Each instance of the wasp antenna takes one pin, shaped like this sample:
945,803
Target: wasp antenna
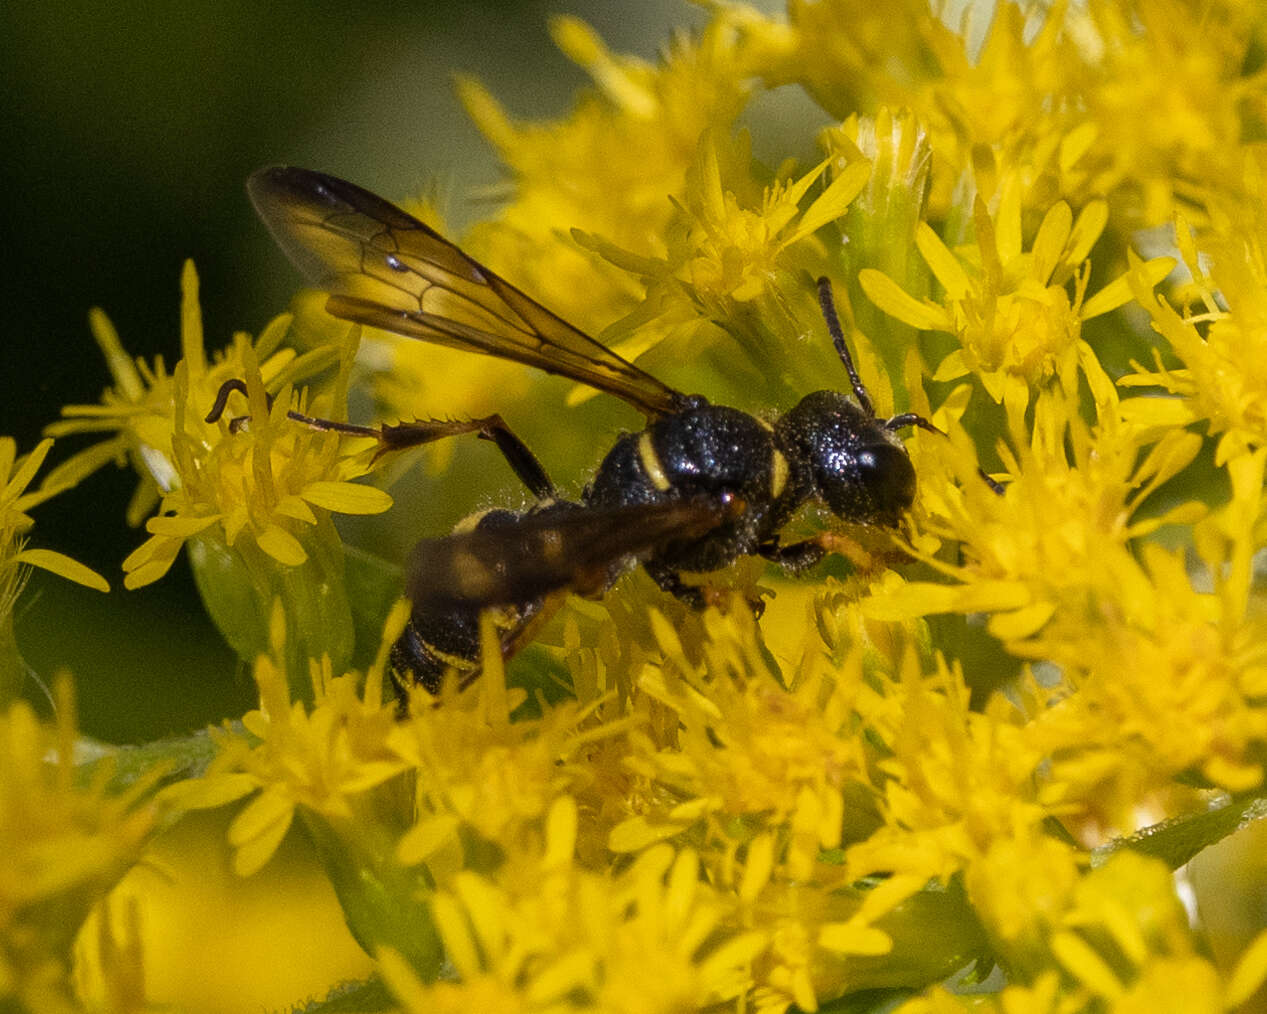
911,419
994,484
828,304
222,398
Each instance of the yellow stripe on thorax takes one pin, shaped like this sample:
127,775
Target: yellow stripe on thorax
651,463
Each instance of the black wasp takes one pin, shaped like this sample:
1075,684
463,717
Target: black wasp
699,487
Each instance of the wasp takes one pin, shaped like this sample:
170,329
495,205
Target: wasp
696,489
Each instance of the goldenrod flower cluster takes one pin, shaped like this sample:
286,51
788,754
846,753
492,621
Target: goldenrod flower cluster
954,768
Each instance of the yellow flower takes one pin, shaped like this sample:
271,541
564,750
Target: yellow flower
609,168
325,758
1222,341
1125,940
481,776
1174,684
67,839
749,753
1139,102
261,483
738,253
1170,99
253,502
953,783
1017,324
16,499
16,475
849,54
1046,557
559,938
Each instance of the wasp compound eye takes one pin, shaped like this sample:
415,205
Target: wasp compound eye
888,477
871,484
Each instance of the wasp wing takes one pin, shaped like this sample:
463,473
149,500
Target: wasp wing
583,549
384,268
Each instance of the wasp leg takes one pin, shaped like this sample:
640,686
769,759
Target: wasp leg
670,580
794,556
797,556
492,427
695,596
403,436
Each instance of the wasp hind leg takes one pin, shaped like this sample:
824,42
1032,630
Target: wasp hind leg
406,435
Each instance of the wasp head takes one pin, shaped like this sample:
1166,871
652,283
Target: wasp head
848,459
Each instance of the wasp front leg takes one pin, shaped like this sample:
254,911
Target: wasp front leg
694,595
794,556
798,556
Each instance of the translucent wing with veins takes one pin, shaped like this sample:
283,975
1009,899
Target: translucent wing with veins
384,268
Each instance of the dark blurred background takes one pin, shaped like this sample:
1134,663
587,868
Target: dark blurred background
128,130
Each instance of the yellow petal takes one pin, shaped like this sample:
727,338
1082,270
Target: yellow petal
1019,623
1007,225
251,856
150,561
263,812
1086,230
347,497
293,507
281,546
852,938
63,566
734,953
456,932
26,470
570,973
1049,244
180,526
210,792
896,302
637,833
1118,292
1085,965
757,870
832,202
425,838
1249,973
952,367
193,350
1075,144
944,264
1161,412
923,599
121,365
561,824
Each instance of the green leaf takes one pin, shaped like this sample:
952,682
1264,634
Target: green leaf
1178,840
179,759
867,1001
383,902
367,997
373,585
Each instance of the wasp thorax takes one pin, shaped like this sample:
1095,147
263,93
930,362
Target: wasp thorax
857,467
